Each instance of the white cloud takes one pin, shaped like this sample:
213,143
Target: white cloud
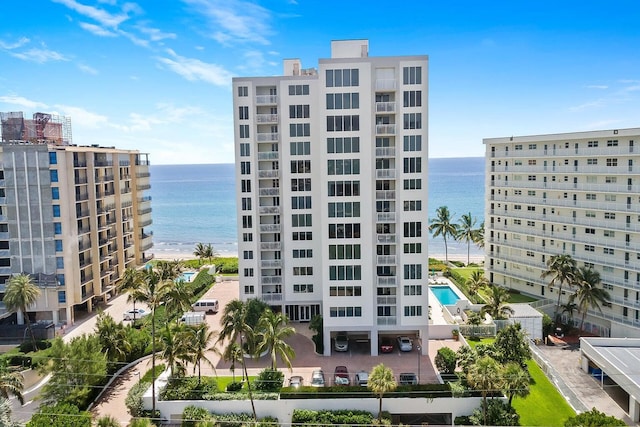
106,19
154,33
97,30
193,69
39,55
235,21
597,87
9,46
87,69
592,104
81,117
23,102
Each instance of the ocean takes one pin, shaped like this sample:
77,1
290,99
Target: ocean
196,203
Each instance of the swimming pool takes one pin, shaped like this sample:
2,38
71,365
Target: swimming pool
187,276
445,294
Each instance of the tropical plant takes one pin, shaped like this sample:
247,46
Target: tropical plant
233,353
593,418
20,294
446,360
141,422
484,375
497,413
203,252
129,282
441,225
478,237
11,383
60,415
178,299
467,357
113,338
474,319
202,342
5,414
107,421
476,281
381,381
273,329
511,346
516,381
175,341
497,303
562,270
570,307
588,294
467,232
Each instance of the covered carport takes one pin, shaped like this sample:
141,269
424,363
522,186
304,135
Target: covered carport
619,360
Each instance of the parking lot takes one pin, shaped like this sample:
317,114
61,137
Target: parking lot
356,359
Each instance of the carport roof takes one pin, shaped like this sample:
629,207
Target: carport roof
619,358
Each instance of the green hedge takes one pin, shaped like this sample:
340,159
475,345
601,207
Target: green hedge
193,416
355,417
187,388
430,391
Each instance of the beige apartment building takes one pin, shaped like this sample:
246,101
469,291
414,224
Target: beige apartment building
573,193
74,217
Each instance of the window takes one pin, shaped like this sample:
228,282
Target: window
412,120
518,147
412,75
246,185
531,223
412,205
590,214
301,202
531,192
342,78
243,91
592,161
344,210
589,248
248,272
58,245
298,90
300,148
412,98
299,129
344,188
612,162
245,150
412,165
62,297
343,145
303,289
592,144
532,162
608,251
303,271
56,211
303,253
60,262
531,208
413,310
591,196
531,178
249,289
345,272
301,184
302,235
247,254
590,231
592,179
532,146
609,198
343,123
610,179
345,311
343,167
412,271
247,221
244,131
246,203
413,248
531,254
245,168
299,111
57,228
345,291
243,113
612,143
413,290
413,229
53,158
301,220
300,166
55,193
247,237
609,233
344,231
609,215
54,175
339,101
413,143
344,252
412,184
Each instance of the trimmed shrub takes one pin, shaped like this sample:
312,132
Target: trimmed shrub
593,418
446,360
192,416
269,380
237,386
133,400
187,388
499,413
355,417
27,346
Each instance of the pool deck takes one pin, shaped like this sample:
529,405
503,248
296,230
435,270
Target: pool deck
437,308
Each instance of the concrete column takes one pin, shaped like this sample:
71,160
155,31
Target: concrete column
374,343
20,317
327,342
89,305
584,363
55,316
634,409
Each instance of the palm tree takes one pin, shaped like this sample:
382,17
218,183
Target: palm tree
113,338
381,381
496,306
169,270
479,236
467,232
203,251
515,381
21,293
273,329
588,293
570,307
5,414
129,282
178,299
176,342
202,341
561,269
484,375
233,354
476,281
441,225
11,383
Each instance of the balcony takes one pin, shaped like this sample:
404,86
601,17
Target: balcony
270,228
82,196
271,263
388,300
385,195
271,245
267,137
269,191
271,297
385,173
387,320
80,164
268,155
266,99
146,246
82,213
269,210
103,163
143,175
387,281
144,211
81,180
105,178
145,223
386,238
267,118
268,173
386,259
385,151
386,216
142,187
84,230
267,280
385,107
385,129
386,84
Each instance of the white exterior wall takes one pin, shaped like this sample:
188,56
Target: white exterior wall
576,194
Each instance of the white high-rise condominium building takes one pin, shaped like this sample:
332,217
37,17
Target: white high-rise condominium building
576,194
332,192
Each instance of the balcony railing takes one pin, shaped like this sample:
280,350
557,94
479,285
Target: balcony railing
269,173
269,191
386,216
386,238
385,173
386,84
385,152
270,228
385,129
266,280
385,194
387,320
266,99
389,300
269,210
267,137
271,263
267,118
271,245
385,107
387,281
386,259
142,187
268,155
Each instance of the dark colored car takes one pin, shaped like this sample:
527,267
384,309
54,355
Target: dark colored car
386,345
341,376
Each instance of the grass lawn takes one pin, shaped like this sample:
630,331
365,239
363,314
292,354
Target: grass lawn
466,272
519,298
224,381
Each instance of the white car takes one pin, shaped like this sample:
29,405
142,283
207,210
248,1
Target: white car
405,344
138,313
362,378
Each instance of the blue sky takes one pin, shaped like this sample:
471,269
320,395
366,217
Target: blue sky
155,75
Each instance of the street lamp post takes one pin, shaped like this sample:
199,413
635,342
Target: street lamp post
419,348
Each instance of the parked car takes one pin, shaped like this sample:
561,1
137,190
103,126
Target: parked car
296,381
386,345
341,342
341,376
317,378
408,378
405,344
362,378
132,314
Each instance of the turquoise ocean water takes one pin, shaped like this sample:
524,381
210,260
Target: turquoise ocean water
196,203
